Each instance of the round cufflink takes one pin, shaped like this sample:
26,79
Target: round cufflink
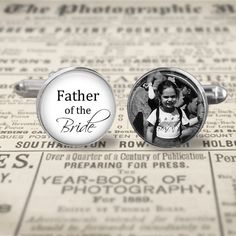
75,105
168,106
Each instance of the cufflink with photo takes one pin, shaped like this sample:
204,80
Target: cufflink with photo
168,106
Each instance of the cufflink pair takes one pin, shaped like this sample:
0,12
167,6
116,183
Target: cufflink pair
166,107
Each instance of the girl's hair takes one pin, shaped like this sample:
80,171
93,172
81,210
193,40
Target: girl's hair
167,84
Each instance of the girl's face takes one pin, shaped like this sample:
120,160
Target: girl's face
168,98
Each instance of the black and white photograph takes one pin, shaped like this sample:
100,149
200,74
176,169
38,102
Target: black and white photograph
166,108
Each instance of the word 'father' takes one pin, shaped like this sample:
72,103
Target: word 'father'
76,96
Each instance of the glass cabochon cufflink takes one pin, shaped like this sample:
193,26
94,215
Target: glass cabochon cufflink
168,106
75,105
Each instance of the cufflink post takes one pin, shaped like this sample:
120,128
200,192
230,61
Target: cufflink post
28,88
215,94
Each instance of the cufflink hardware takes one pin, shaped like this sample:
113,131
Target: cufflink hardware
75,105
168,106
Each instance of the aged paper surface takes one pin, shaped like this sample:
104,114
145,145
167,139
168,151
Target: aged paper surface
119,185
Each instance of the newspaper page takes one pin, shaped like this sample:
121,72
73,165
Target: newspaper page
120,185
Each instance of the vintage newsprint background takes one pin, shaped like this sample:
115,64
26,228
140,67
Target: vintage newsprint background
119,185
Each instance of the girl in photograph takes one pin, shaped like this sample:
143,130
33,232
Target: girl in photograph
165,122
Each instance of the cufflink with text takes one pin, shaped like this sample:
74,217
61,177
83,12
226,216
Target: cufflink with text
75,105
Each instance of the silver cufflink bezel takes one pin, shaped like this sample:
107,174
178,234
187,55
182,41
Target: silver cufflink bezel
84,93
208,95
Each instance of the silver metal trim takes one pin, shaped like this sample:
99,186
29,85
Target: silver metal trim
192,80
49,80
